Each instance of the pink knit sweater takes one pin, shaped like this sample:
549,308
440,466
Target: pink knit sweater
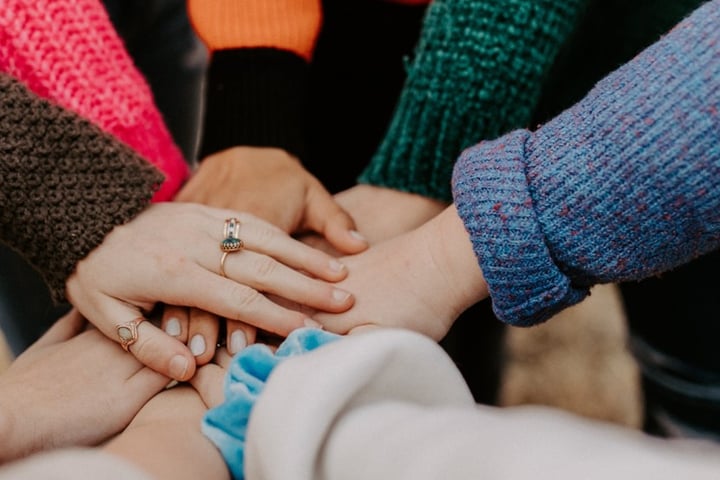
67,51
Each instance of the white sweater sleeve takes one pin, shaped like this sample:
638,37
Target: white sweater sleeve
391,404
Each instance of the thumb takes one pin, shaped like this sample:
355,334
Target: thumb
325,216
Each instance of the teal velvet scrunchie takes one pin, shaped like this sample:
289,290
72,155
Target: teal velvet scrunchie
226,424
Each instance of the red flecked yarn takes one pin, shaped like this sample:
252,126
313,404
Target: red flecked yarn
68,51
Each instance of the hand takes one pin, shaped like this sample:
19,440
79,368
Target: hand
200,330
165,440
170,253
381,213
70,388
422,280
274,186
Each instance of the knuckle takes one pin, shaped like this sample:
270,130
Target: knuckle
265,267
244,299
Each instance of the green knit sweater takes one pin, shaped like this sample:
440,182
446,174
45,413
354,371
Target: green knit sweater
477,73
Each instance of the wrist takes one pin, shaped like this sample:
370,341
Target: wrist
457,259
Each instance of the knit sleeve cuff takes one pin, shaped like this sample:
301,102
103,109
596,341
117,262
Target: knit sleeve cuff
493,199
255,97
64,183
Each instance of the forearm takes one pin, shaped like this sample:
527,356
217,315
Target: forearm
619,187
64,184
165,439
256,86
477,73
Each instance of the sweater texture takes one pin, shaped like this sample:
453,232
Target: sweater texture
621,186
477,73
64,183
257,86
67,51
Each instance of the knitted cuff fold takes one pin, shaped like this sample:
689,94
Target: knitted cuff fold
255,97
476,74
493,199
64,183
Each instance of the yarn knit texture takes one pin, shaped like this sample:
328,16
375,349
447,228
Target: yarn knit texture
619,187
64,183
477,73
67,51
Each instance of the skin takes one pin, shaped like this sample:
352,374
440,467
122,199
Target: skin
431,271
381,213
270,184
165,440
45,413
170,254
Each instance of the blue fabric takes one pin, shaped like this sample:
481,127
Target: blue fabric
226,424
621,186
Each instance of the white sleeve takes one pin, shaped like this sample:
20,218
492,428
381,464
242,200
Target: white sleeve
391,404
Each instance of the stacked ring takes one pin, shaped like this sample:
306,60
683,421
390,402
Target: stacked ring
231,242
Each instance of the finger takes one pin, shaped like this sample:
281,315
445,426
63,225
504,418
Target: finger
223,358
325,216
267,275
225,298
208,381
203,334
64,328
162,353
152,346
264,238
175,322
145,383
239,336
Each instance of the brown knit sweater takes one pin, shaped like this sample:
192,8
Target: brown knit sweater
64,183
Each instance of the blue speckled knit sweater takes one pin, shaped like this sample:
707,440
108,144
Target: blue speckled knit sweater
623,185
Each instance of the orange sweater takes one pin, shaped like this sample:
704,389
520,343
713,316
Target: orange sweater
291,25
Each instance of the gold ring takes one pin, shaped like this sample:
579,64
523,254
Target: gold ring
128,332
231,242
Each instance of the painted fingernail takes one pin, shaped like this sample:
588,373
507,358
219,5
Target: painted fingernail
237,341
310,323
178,367
358,235
340,296
336,266
197,345
172,327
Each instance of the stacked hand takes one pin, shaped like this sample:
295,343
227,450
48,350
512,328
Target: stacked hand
171,253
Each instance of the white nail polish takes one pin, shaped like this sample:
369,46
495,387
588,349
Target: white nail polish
197,345
340,295
336,266
237,341
358,235
172,327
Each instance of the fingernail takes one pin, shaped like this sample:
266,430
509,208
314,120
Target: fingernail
237,341
172,327
358,235
178,367
340,295
336,266
310,323
197,345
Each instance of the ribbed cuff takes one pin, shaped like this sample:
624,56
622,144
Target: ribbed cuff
255,97
492,198
64,183
477,73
